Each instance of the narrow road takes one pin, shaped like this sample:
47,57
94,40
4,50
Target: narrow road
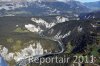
26,61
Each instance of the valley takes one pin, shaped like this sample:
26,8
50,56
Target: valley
31,30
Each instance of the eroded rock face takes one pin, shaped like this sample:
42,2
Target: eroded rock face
73,31
43,23
33,28
33,49
20,51
16,45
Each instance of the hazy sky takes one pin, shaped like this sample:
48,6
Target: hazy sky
88,0
84,0
68,0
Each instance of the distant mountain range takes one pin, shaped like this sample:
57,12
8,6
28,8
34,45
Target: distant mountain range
43,8
70,9
93,5
56,7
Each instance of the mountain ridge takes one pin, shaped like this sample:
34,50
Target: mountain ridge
43,8
93,5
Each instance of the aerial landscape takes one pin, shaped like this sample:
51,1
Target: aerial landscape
49,32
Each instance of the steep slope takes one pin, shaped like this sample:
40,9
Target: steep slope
77,32
91,15
17,42
26,24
